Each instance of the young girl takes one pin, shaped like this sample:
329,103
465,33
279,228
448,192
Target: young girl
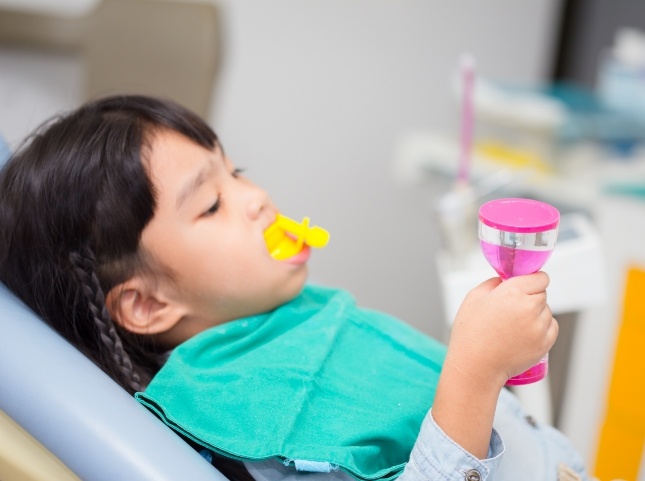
126,227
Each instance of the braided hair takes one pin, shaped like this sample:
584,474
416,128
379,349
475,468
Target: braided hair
83,263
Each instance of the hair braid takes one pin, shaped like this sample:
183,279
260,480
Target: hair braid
83,263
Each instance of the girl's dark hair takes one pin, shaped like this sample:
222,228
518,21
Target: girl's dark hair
74,200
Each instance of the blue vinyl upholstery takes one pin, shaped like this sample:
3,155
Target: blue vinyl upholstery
77,412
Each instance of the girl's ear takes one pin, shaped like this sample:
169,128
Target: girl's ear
139,306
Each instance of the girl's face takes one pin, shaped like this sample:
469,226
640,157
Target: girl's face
208,231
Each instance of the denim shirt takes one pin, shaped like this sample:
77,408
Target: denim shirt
519,448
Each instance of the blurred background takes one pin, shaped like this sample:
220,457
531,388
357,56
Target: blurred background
349,111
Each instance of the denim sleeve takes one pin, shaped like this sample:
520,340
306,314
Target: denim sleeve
437,457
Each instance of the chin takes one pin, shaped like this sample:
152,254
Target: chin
292,291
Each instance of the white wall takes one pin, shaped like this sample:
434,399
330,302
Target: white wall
314,96
34,86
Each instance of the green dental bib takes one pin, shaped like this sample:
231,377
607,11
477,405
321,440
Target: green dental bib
317,383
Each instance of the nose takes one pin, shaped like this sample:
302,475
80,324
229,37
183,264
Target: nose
258,201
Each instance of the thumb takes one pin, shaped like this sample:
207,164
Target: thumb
485,287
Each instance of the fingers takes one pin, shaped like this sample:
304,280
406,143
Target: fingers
485,287
549,327
532,283
552,332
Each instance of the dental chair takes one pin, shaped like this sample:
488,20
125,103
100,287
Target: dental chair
55,403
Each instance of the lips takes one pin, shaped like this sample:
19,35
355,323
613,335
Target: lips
300,258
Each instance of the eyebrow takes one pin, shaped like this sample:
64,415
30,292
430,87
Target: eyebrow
192,185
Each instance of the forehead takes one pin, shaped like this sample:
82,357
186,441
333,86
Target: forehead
167,147
172,159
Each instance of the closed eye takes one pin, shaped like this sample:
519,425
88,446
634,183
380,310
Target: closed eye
214,208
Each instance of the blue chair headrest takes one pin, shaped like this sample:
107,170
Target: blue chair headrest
5,152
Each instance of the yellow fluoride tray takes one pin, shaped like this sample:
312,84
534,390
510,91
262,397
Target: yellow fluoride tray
286,237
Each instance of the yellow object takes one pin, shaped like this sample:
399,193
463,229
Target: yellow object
23,458
512,157
622,436
286,237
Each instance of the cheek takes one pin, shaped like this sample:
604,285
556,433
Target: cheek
228,257
238,247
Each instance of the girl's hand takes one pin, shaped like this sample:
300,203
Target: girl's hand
502,329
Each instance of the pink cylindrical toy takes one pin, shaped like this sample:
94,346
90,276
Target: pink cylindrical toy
517,237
